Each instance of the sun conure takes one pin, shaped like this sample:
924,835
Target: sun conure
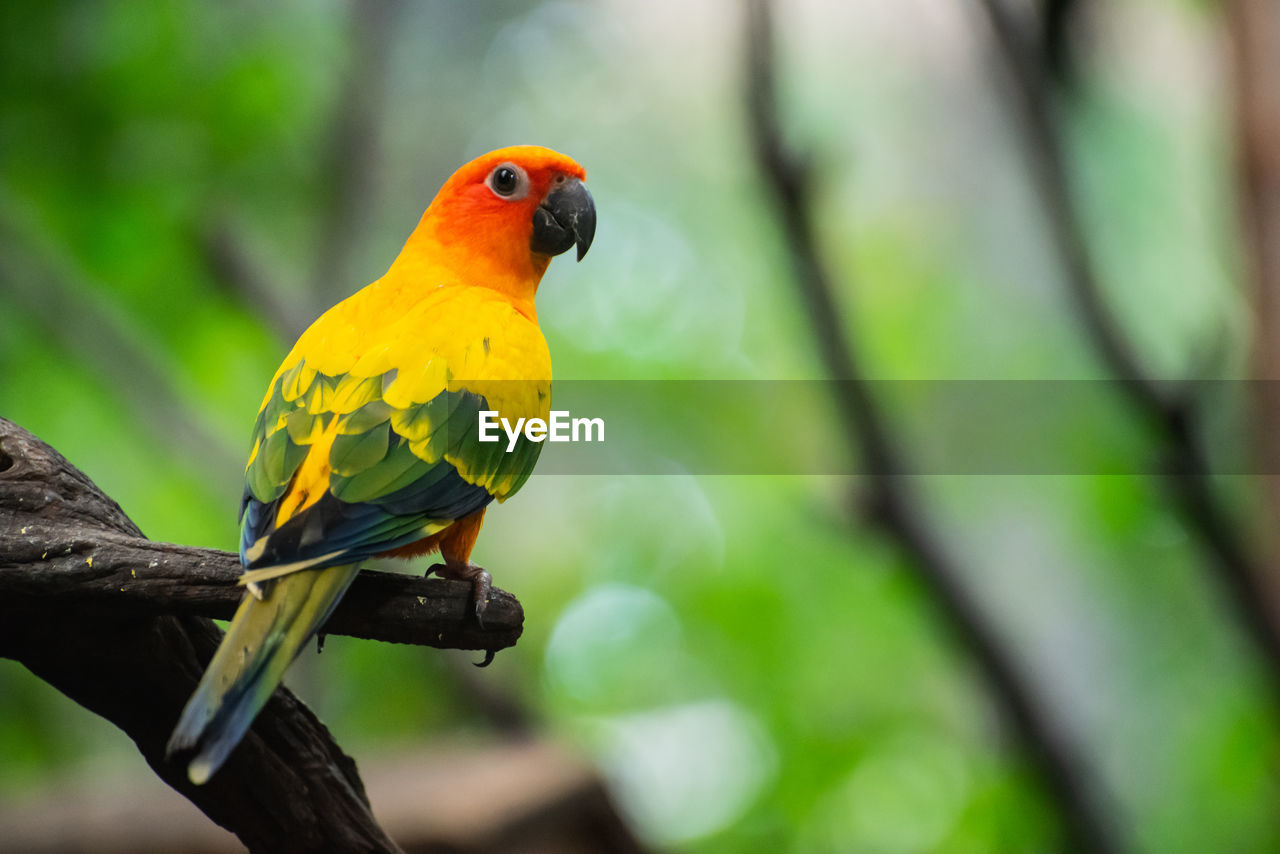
367,444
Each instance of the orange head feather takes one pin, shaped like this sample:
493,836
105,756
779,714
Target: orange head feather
498,220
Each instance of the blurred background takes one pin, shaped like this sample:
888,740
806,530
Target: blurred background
741,663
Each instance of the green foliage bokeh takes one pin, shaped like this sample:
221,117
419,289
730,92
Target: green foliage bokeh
751,671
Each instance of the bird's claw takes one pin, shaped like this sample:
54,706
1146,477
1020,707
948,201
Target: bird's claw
481,585
488,658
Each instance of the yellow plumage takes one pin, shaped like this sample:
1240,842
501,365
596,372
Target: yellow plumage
366,442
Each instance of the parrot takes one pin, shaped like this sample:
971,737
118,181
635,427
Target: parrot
366,444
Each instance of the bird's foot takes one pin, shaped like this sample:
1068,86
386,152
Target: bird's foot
481,583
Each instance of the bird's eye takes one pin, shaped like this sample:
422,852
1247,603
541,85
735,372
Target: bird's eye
504,180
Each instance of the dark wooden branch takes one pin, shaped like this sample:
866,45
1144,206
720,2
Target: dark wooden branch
41,563
112,620
1172,417
895,510
51,555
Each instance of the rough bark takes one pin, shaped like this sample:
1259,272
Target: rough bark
119,624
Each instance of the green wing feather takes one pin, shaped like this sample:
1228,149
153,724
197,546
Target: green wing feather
404,460
417,455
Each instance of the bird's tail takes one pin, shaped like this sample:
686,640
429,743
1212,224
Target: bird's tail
262,641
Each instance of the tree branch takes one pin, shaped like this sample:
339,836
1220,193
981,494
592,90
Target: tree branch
1057,59
1036,123
81,598
52,554
1172,417
1254,30
895,510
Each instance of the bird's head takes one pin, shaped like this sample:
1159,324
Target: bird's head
501,218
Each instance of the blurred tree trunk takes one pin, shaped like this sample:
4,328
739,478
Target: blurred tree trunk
1254,29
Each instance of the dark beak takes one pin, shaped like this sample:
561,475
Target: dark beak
566,216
